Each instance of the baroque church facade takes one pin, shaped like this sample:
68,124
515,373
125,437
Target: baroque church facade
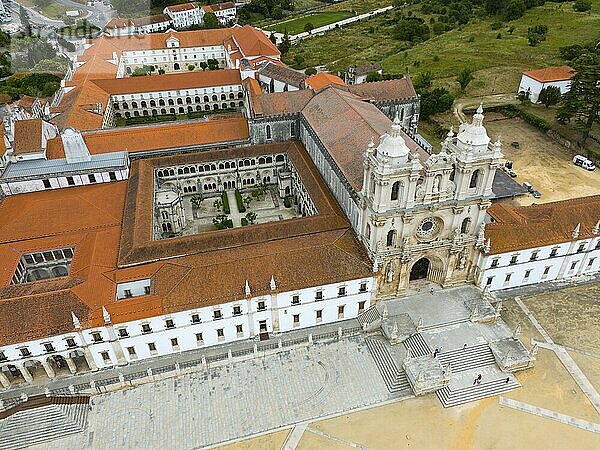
423,217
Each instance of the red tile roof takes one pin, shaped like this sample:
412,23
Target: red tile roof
182,7
397,89
533,226
28,136
549,74
321,80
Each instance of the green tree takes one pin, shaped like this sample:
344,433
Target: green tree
582,102
550,96
218,204
285,44
191,67
514,9
413,29
251,217
273,38
203,65
536,34
423,81
582,5
308,27
374,76
211,21
435,101
464,78
310,71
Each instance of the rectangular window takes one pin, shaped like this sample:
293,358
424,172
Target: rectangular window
513,259
573,265
295,299
174,343
341,291
507,278
70,181
127,293
527,273
92,178
341,312
195,318
49,348
237,310
533,256
146,328
553,252
47,184
546,270
363,287
152,347
581,247
591,261
96,336
494,262
319,315
489,280
105,357
361,306
199,338
131,351
71,342
319,295
217,314
123,332
220,334
169,323
146,290
239,329
261,306
25,351
3,356
296,319
112,176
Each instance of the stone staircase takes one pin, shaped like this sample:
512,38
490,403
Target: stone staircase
443,324
470,358
41,424
394,378
369,317
449,397
417,346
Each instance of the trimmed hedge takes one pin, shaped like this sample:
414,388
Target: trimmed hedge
514,111
287,201
240,202
225,201
244,221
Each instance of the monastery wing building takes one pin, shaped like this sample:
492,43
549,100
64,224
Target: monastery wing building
265,201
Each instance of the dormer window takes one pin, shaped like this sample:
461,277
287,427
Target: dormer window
131,289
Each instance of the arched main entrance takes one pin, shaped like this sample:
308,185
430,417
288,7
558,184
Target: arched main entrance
419,270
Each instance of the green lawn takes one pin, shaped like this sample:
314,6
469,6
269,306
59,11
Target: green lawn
498,62
318,19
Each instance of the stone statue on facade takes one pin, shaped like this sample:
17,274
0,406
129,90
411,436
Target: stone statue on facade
389,273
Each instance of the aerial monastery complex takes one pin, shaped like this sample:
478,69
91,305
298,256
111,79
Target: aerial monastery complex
270,202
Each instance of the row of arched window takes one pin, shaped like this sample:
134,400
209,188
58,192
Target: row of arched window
222,166
397,186
180,110
179,101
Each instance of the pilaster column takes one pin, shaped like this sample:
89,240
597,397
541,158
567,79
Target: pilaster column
89,358
4,380
25,374
49,370
71,364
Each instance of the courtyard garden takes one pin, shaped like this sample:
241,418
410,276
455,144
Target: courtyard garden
236,208
314,20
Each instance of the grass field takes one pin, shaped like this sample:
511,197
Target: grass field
497,62
318,19
53,10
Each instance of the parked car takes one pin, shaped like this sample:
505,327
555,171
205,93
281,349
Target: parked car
515,144
582,161
508,164
536,194
529,187
511,172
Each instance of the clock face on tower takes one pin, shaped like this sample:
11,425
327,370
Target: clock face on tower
429,228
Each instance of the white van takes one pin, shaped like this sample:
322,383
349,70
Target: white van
582,161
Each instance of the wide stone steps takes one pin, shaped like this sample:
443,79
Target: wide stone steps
443,324
470,358
45,423
369,316
450,398
417,346
394,378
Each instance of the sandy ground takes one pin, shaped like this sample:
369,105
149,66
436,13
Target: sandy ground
542,162
422,423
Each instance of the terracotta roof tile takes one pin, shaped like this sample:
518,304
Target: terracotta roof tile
218,7
539,225
159,137
283,74
28,136
167,82
548,74
398,89
253,42
149,20
182,7
321,80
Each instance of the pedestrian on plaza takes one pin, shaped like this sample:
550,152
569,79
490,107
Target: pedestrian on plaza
431,290
478,379
507,380
435,352
465,346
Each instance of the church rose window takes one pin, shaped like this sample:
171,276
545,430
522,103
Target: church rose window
429,228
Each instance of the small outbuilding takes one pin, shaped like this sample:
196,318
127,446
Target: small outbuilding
533,81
